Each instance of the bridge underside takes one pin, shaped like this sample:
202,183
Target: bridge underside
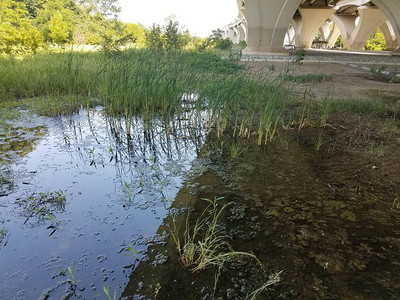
266,25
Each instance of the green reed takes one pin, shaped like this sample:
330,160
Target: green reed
150,85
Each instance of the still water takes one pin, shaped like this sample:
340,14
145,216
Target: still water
116,183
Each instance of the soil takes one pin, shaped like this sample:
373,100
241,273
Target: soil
347,81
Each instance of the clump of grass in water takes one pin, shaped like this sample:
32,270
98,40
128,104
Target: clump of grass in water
3,235
201,245
42,206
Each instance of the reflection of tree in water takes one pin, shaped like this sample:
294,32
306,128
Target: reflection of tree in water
147,156
18,141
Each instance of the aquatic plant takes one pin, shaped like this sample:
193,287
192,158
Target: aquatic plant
202,244
42,206
3,235
106,290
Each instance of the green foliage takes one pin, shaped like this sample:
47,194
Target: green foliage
58,30
376,42
339,42
168,37
155,38
218,42
300,54
17,34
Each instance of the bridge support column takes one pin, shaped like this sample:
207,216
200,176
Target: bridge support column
325,31
268,22
391,9
390,37
333,36
370,20
346,25
292,35
313,19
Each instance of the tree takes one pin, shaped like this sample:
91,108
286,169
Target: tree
69,12
33,6
376,42
155,38
17,34
58,30
339,42
217,41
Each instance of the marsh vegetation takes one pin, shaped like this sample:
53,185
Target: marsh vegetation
203,169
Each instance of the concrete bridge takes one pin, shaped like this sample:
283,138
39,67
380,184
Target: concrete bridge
266,25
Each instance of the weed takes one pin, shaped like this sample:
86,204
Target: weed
71,279
391,126
106,290
300,54
304,114
273,279
396,204
132,252
157,289
202,244
378,149
377,71
236,150
318,143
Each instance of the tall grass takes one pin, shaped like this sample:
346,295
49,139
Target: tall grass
151,85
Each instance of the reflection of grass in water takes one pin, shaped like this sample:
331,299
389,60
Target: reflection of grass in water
202,245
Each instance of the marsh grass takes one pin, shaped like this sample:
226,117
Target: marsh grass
202,245
354,106
147,84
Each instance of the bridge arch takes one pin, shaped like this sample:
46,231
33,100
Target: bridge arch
268,22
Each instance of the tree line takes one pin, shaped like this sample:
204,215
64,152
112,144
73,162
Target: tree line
28,25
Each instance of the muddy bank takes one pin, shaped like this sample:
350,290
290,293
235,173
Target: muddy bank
327,218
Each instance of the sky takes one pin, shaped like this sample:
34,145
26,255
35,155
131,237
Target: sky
199,16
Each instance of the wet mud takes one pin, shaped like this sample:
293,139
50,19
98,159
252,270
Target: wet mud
326,219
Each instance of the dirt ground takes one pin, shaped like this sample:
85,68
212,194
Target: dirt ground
347,81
